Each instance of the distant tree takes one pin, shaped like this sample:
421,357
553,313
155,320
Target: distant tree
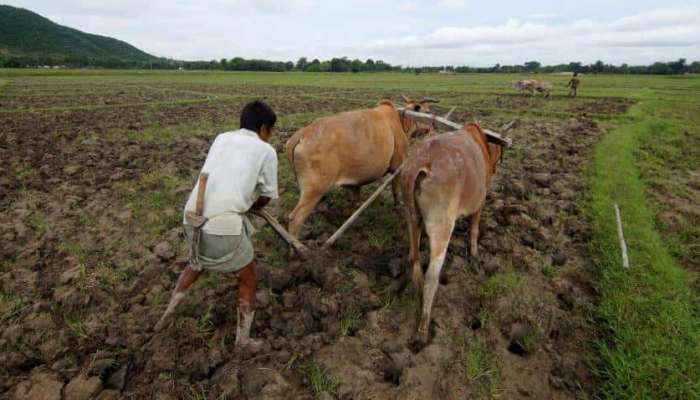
694,68
598,66
369,65
356,66
339,64
677,67
302,63
660,68
575,67
532,66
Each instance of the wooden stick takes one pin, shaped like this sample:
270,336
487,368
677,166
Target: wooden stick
199,205
429,118
620,234
359,211
298,247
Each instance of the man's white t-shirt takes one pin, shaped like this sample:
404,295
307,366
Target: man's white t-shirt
241,168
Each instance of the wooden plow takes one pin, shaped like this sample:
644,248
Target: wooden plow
437,121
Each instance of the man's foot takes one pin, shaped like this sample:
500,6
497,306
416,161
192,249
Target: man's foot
163,322
250,345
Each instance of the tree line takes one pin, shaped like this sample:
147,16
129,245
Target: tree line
343,64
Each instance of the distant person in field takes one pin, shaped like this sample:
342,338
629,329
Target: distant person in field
242,169
573,85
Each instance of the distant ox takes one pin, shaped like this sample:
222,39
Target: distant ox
352,149
533,86
445,177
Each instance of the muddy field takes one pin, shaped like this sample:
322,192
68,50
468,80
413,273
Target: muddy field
97,172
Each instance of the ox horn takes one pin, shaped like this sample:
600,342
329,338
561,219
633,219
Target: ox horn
429,100
405,98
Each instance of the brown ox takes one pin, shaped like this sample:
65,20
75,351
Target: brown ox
348,149
445,177
533,86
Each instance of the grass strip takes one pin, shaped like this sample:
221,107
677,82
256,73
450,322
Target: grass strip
650,346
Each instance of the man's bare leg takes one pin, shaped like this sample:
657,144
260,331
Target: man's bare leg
188,276
247,285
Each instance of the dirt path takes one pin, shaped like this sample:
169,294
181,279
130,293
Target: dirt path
92,230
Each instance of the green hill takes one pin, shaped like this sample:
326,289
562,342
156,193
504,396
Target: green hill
27,34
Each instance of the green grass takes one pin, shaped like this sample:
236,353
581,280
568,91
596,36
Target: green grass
669,164
318,379
349,322
479,365
648,345
201,393
76,325
651,343
500,283
150,197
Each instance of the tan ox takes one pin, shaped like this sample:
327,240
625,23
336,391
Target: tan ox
348,149
445,177
533,86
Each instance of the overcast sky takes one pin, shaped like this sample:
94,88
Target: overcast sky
407,32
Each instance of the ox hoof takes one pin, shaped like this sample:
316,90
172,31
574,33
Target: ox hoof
418,342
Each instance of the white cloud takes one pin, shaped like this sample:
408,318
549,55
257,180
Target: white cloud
560,42
543,16
265,6
408,32
453,3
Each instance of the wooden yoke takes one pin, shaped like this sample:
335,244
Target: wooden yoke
444,122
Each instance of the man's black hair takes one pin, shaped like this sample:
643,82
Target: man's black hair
256,114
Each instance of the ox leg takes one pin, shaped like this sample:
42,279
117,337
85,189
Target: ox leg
439,235
395,191
474,232
355,195
307,202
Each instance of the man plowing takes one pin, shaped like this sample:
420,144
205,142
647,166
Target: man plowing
239,174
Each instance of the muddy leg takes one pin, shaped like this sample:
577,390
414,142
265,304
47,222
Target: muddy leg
474,232
247,285
439,235
188,276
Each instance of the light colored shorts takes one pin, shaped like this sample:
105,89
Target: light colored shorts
223,253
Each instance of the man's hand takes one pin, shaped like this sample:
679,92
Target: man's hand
260,203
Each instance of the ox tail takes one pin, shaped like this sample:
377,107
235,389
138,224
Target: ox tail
409,183
290,147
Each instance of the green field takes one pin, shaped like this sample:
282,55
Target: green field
98,164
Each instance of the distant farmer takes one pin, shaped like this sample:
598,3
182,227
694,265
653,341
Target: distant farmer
573,84
242,175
